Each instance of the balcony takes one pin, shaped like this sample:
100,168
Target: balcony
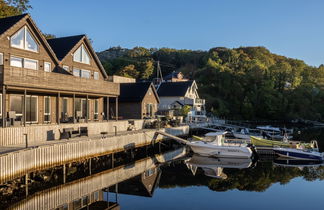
199,101
36,79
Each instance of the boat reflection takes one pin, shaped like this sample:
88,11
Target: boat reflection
213,167
285,162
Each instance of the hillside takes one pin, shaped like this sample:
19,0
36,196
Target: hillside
239,83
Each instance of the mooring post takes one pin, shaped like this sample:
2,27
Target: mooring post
112,160
26,184
64,173
115,130
26,139
116,190
90,166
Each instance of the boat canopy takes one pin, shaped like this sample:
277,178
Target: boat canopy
211,134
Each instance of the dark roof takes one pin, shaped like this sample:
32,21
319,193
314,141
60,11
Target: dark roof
174,74
63,45
133,92
174,88
8,22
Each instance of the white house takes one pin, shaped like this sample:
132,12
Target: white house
175,95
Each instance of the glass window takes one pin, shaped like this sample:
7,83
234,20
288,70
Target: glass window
30,64
77,107
23,39
0,104
17,62
96,75
31,108
85,109
47,67
81,55
85,74
85,56
66,68
16,104
65,106
1,58
47,109
18,39
96,109
77,72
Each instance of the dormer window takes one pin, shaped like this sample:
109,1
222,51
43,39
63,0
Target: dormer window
81,55
23,39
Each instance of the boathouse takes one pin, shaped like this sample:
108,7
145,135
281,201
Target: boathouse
138,100
53,81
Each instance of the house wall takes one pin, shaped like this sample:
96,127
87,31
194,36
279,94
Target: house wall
165,102
42,55
93,67
149,98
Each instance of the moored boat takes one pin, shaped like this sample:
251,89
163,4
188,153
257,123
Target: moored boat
301,154
213,144
257,141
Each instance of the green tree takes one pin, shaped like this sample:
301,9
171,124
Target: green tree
13,7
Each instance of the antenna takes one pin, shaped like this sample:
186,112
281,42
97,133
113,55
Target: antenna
159,77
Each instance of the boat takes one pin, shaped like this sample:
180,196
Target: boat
300,152
257,141
275,132
213,167
214,144
245,133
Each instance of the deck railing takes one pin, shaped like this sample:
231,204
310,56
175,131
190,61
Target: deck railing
27,78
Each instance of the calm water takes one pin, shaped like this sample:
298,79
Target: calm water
168,179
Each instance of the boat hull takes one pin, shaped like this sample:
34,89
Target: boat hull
298,154
220,151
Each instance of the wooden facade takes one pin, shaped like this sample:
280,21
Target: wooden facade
138,100
39,85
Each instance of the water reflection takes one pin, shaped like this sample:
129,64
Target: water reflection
99,183
213,167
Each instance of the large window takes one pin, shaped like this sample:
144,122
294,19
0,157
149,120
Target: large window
47,67
23,39
30,64
81,55
85,109
77,72
96,109
23,62
47,109
85,74
16,62
65,106
17,105
95,75
77,107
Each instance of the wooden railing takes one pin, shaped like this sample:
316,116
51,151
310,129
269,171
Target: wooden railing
27,78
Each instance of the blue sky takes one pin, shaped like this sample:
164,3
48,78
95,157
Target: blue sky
294,28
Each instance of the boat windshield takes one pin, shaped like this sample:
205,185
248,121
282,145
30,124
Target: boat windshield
210,138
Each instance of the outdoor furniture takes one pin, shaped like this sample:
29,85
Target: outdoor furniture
69,131
104,134
64,135
83,131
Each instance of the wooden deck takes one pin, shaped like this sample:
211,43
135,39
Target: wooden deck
18,78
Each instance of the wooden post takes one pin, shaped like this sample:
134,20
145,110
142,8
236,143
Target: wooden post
90,167
116,108
107,108
112,160
4,113
26,184
116,190
58,108
25,108
64,173
73,108
87,108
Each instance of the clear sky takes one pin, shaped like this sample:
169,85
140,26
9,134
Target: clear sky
294,28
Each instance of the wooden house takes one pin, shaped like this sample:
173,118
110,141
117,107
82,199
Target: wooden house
43,81
138,100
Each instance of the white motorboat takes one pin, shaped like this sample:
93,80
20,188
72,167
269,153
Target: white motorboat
213,167
301,153
245,133
214,144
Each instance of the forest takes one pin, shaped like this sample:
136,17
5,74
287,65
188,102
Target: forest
241,83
